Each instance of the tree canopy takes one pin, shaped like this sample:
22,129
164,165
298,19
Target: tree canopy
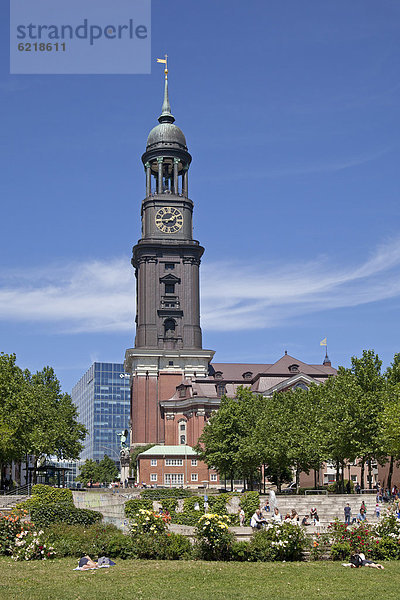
36,417
353,415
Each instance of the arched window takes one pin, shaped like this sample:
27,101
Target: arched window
294,368
169,327
301,386
182,432
218,375
247,375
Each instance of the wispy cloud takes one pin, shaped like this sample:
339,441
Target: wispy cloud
98,296
316,165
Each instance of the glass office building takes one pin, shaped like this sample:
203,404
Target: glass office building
102,397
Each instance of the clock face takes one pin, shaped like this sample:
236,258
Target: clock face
169,219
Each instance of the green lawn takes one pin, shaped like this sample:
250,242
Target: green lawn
152,580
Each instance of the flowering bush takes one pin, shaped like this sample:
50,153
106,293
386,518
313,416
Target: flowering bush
147,521
282,541
10,527
19,538
361,537
31,546
213,537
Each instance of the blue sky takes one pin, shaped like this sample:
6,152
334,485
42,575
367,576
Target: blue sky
291,113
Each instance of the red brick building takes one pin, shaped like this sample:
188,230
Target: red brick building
173,466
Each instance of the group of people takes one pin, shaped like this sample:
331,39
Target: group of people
361,516
258,520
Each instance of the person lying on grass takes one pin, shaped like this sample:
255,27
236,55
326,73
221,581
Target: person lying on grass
87,563
359,560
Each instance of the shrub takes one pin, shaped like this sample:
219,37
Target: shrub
134,505
214,540
388,548
147,521
176,547
45,515
10,526
169,504
284,541
32,546
320,545
43,495
341,550
161,494
361,537
240,551
250,501
95,540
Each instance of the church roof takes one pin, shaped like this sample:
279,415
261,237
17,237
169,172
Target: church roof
282,368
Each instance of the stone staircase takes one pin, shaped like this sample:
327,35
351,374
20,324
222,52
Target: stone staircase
9,502
329,507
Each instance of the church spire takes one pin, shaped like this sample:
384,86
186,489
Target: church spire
166,115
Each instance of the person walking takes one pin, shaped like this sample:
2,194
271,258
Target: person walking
347,514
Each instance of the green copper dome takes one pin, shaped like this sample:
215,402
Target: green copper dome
166,133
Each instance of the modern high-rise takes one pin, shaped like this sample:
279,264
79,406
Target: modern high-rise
102,397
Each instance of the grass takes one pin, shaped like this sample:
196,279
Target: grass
153,580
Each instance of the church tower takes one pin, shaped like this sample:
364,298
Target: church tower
168,342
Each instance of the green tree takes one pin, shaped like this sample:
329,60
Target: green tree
89,471
108,470
227,442
134,457
288,433
35,416
389,420
341,405
367,371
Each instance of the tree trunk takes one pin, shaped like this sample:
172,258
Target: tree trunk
315,479
390,474
278,481
342,480
34,471
231,481
362,473
369,474
337,476
297,480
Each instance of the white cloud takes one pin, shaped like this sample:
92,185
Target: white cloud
98,296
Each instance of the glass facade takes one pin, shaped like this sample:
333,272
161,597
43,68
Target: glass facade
102,397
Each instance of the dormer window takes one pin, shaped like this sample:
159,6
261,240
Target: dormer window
182,392
247,375
294,368
218,375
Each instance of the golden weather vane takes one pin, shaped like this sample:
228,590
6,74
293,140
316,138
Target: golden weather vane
165,62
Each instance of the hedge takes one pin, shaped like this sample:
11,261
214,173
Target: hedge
47,514
160,494
43,495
